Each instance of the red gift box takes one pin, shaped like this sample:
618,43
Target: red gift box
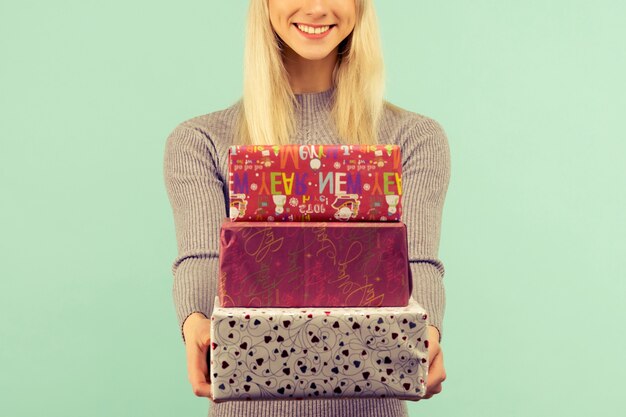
315,183
313,264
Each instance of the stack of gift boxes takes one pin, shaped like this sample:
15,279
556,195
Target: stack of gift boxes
314,288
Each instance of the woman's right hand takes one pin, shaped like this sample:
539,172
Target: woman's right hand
197,332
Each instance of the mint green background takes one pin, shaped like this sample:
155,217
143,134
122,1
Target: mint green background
531,94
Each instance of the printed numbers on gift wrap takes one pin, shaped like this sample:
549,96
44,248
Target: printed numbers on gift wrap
329,182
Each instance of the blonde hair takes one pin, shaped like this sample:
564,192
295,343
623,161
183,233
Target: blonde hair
267,114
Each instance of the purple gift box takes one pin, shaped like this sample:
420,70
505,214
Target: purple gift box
313,264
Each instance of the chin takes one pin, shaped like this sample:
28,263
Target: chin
313,55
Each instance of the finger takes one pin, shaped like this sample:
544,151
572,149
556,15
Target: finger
197,370
433,351
432,391
432,360
439,364
208,373
436,375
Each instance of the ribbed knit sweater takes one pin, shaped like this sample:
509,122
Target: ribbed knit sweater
196,173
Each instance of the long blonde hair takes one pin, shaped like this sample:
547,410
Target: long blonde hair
267,114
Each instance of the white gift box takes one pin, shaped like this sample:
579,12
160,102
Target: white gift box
286,353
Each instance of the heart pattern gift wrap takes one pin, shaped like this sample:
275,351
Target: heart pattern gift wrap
315,183
274,353
313,264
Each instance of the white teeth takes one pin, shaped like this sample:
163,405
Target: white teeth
312,30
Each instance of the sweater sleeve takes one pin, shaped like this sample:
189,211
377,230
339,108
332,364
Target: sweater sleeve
195,191
425,178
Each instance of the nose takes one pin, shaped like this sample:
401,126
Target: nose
315,8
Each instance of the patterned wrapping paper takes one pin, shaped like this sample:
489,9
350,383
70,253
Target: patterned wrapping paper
313,264
315,183
274,353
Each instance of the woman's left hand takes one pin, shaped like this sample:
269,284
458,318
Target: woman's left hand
436,371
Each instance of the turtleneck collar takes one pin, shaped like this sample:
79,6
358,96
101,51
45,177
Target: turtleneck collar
314,102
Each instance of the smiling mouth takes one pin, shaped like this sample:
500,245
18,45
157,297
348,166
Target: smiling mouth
313,30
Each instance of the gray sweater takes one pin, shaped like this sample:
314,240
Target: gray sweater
195,172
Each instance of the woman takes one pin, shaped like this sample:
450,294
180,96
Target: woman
313,75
